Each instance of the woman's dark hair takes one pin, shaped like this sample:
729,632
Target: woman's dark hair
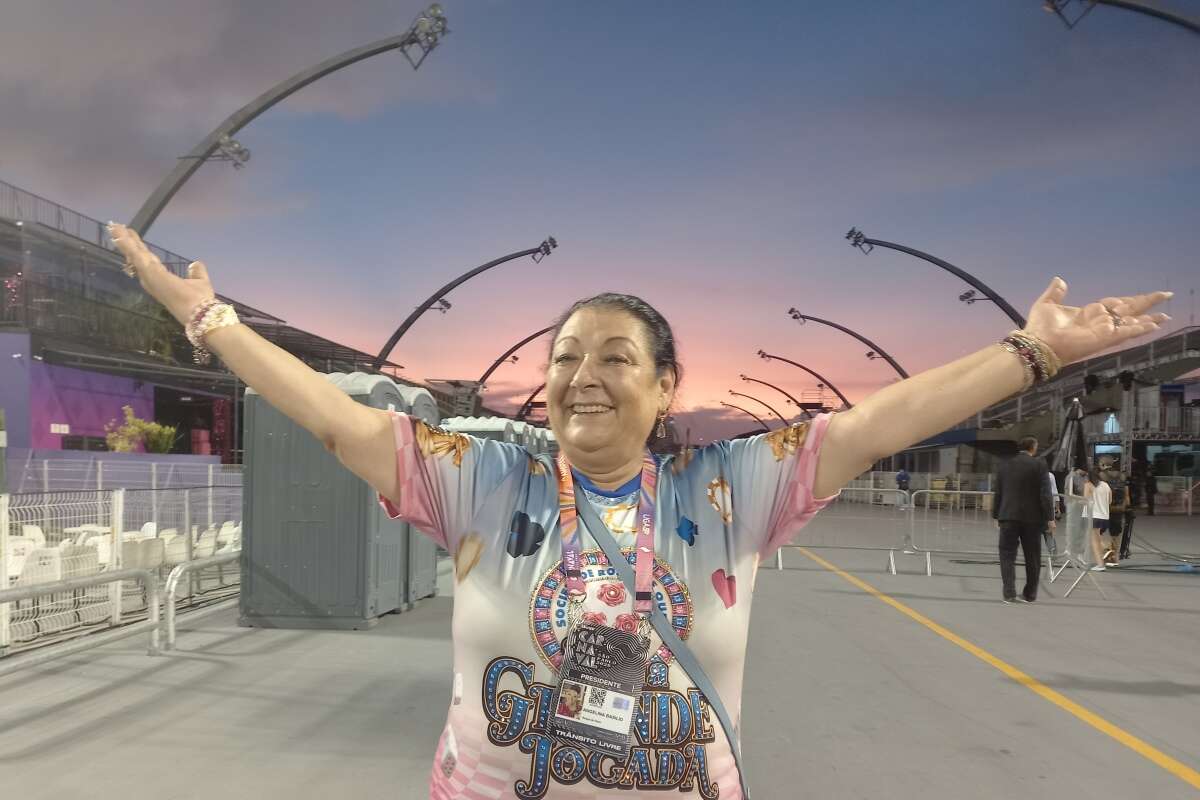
1094,476
658,331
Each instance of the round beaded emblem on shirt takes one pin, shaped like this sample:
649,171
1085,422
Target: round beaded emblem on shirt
548,606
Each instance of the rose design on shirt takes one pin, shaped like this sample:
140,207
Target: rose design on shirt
595,617
627,623
612,594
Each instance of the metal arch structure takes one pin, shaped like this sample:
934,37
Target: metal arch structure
527,406
1058,7
538,253
761,403
794,401
424,35
751,413
765,356
861,242
496,364
802,318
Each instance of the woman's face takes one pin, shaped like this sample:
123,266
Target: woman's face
603,393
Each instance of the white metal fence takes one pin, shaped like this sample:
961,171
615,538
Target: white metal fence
926,523
96,474
952,522
49,537
968,481
860,518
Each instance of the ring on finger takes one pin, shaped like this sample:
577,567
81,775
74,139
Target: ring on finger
129,269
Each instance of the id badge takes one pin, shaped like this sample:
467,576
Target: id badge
600,684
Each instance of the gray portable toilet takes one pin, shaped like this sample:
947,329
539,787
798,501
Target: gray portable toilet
421,561
499,429
317,549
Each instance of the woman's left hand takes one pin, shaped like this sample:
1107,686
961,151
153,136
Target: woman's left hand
1075,333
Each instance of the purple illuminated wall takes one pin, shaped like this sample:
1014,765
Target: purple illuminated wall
14,385
84,400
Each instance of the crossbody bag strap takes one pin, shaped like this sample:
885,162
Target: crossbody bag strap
662,626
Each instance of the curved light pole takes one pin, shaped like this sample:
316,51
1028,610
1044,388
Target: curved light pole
791,399
538,253
875,349
1057,7
509,352
415,43
751,413
765,356
860,241
761,403
527,406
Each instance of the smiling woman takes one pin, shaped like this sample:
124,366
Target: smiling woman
545,622
612,374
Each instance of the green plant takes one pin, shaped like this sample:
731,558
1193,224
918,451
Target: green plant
159,438
126,437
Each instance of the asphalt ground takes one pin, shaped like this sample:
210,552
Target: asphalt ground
859,684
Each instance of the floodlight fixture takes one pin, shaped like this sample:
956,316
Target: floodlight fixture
228,149
424,35
548,244
233,151
859,240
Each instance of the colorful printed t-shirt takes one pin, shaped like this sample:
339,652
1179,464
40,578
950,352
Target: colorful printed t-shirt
494,507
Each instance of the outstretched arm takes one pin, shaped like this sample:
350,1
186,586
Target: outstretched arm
915,409
359,436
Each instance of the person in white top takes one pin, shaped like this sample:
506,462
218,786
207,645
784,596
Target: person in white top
1098,496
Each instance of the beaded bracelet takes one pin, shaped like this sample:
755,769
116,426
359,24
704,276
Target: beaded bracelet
1027,361
1039,359
1047,358
206,318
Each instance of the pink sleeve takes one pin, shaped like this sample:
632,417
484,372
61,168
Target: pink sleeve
798,505
415,488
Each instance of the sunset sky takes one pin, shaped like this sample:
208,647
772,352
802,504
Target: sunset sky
707,156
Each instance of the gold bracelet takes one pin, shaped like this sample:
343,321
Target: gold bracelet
1030,377
1048,361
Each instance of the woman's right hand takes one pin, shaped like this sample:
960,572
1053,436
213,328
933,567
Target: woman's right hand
180,296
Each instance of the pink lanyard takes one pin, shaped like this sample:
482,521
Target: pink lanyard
643,569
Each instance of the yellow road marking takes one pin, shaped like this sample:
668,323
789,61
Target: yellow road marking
1171,765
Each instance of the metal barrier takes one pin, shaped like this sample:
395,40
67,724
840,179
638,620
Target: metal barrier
46,538
1075,530
97,474
860,518
147,577
173,583
942,521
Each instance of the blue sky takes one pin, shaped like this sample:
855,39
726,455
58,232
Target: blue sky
707,156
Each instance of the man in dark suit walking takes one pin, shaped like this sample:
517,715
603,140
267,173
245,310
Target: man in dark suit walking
1023,507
